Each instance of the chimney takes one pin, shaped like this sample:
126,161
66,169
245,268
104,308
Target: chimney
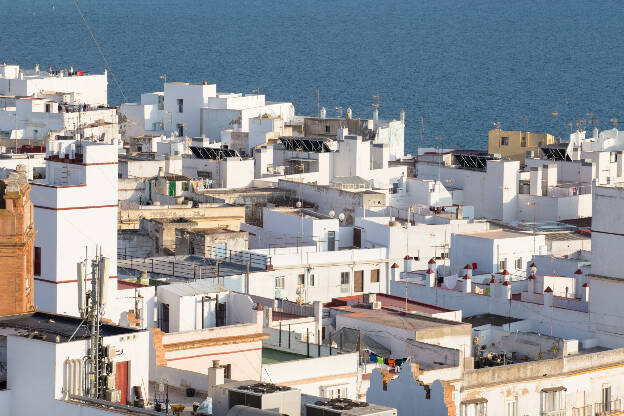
403,116
431,278
506,277
468,270
71,69
394,269
36,67
493,283
586,292
432,264
407,264
467,283
535,186
506,290
531,285
216,376
349,113
548,297
376,115
323,112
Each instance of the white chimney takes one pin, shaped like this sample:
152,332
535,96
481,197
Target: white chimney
468,270
506,290
586,292
349,113
407,264
402,116
323,112
467,283
216,376
394,270
431,278
376,115
548,297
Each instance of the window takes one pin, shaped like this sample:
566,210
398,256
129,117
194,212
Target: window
607,405
159,125
301,280
228,371
279,282
335,392
375,276
553,399
161,102
48,108
523,142
313,280
474,409
519,264
327,129
504,141
37,261
502,265
344,281
180,105
180,130
613,157
164,317
512,408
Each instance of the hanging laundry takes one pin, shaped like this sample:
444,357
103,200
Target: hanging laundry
380,360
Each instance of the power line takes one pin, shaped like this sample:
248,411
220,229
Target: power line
108,67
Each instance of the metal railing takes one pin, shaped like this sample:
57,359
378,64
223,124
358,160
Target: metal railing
608,408
560,412
582,411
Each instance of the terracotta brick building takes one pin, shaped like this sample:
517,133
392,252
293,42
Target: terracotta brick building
17,236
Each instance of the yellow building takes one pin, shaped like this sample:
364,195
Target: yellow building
515,144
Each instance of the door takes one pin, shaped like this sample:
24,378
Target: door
164,317
221,314
357,237
331,241
121,380
358,282
220,251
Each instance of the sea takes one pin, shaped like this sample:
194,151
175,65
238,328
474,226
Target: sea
458,67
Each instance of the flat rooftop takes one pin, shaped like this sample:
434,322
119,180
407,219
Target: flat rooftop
401,320
272,356
56,328
496,234
489,319
389,302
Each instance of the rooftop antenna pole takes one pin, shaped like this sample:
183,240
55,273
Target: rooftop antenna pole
318,103
591,120
420,139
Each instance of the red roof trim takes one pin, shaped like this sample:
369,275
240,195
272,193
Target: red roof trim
548,290
394,266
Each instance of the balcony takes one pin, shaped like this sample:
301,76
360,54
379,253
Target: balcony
561,412
582,411
608,408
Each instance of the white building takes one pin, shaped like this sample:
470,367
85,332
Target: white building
190,109
45,363
76,214
80,86
494,251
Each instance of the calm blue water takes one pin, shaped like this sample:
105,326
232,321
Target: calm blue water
461,65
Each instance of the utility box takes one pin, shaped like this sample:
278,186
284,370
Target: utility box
113,395
265,396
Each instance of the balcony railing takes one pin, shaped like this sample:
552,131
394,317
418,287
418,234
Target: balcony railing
582,411
608,408
561,412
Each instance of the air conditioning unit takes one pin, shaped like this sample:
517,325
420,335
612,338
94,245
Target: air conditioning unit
111,352
346,407
113,395
110,382
265,396
376,305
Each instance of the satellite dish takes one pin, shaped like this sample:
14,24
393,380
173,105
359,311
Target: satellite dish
332,213
341,217
298,204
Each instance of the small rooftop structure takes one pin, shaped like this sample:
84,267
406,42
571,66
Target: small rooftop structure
56,328
212,153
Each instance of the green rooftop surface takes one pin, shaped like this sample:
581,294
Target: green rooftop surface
271,356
